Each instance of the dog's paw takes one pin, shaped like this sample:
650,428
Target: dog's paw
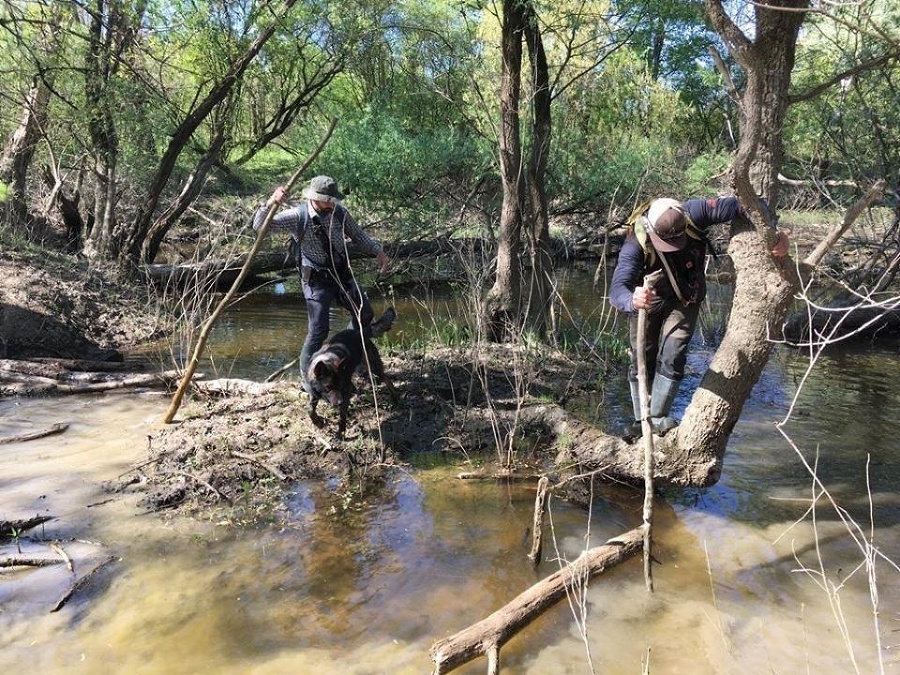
316,419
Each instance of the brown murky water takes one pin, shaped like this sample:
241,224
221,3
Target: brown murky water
367,591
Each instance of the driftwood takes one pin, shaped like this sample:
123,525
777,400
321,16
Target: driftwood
540,507
85,365
230,386
30,378
18,561
486,637
212,274
56,368
11,528
507,474
20,438
80,583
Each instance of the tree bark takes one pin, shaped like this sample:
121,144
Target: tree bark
192,188
768,62
540,286
111,33
21,145
502,306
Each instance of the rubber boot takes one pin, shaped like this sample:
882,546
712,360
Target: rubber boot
661,398
305,357
633,430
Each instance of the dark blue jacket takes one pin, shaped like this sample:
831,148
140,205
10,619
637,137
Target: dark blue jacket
688,264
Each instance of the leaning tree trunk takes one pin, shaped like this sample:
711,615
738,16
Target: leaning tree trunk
763,285
192,188
693,454
503,300
136,246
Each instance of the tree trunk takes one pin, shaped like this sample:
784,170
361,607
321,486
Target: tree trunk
768,62
693,453
192,188
22,143
502,305
110,35
540,289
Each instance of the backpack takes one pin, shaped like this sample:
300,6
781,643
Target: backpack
637,222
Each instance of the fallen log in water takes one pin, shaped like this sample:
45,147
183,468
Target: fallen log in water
30,378
216,273
32,435
486,637
12,528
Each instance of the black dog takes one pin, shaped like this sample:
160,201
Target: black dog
331,369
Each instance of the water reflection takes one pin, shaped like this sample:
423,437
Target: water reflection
365,586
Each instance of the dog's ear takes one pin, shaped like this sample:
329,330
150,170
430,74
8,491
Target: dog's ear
318,367
318,370
323,364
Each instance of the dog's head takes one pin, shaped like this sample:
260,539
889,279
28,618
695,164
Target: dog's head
324,377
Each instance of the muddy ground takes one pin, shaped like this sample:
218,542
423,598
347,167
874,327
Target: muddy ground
234,451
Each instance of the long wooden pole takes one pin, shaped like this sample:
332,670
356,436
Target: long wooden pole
647,433
229,296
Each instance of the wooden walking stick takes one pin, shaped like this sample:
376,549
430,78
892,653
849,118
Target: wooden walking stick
210,322
646,429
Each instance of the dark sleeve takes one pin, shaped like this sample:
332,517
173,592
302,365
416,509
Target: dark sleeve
627,276
708,212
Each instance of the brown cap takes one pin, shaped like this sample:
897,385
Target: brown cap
666,225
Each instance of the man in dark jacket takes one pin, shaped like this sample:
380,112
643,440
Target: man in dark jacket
320,227
670,237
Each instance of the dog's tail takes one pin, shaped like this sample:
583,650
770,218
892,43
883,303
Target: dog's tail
383,325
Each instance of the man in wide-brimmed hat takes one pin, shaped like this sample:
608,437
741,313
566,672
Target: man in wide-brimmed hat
668,236
320,227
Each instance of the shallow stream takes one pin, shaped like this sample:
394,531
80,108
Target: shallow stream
747,581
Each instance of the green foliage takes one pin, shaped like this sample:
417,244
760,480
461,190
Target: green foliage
703,174
617,135
388,157
847,132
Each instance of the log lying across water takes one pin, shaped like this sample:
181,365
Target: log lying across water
486,637
33,435
12,528
31,378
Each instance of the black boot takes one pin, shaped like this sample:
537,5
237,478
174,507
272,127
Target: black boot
305,357
661,399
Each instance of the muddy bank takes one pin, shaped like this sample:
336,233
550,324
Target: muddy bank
62,307
234,453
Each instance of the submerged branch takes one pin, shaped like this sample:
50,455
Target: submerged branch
488,635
